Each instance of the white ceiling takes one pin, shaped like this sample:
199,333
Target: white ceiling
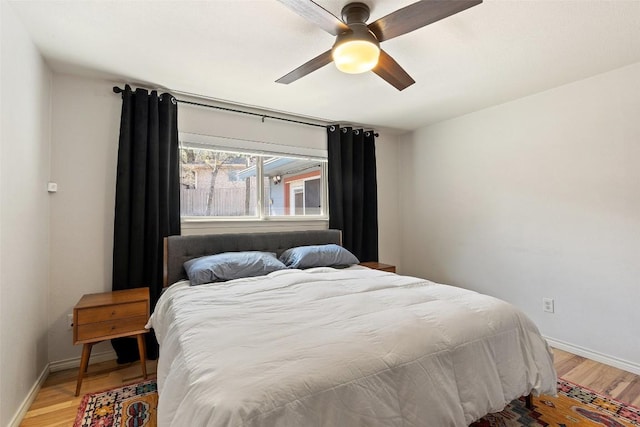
234,50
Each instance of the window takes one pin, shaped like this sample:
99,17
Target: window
219,182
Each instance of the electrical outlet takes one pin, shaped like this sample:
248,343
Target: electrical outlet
69,321
547,305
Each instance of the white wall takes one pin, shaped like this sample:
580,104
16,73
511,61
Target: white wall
86,120
86,123
24,216
539,197
389,219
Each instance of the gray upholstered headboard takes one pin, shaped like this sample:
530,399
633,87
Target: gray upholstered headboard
178,249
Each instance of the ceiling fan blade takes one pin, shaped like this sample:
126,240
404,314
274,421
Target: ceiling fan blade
392,72
306,68
417,15
317,14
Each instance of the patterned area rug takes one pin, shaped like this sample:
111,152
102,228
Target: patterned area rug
128,406
574,406
135,406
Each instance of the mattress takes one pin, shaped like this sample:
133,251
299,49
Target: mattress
341,347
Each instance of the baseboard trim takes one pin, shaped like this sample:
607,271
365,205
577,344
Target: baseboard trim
28,400
53,367
625,365
74,362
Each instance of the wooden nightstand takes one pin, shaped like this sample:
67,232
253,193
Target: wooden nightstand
379,266
100,317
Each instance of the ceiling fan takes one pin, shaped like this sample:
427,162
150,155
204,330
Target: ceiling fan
357,45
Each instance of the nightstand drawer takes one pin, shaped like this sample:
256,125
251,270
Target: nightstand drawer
112,312
104,330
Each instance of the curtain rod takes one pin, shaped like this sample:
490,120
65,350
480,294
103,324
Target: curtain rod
117,89
264,116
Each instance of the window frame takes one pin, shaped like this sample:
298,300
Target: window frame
262,151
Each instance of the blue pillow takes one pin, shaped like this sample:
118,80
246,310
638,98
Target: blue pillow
318,256
231,265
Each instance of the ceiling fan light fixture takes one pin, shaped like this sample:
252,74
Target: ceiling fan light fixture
356,56
361,50
357,50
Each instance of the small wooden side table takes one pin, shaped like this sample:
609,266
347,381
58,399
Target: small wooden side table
379,266
108,315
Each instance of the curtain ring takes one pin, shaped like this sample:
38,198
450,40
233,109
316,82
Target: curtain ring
367,134
356,131
332,128
344,130
174,101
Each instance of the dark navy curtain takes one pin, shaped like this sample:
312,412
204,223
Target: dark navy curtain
147,204
353,192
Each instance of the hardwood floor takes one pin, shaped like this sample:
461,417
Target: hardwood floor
613,382
56,404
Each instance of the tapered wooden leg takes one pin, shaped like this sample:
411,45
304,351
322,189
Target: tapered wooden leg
143,354
84,362
528,402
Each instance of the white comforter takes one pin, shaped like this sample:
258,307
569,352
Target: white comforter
353,347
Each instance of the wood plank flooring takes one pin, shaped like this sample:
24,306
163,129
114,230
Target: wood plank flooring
56,406
613,382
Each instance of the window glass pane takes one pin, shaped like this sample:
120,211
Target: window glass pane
217,183
292,186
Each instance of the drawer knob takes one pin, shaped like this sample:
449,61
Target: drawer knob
113,327
113,313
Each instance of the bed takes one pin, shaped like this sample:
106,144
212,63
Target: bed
334,347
